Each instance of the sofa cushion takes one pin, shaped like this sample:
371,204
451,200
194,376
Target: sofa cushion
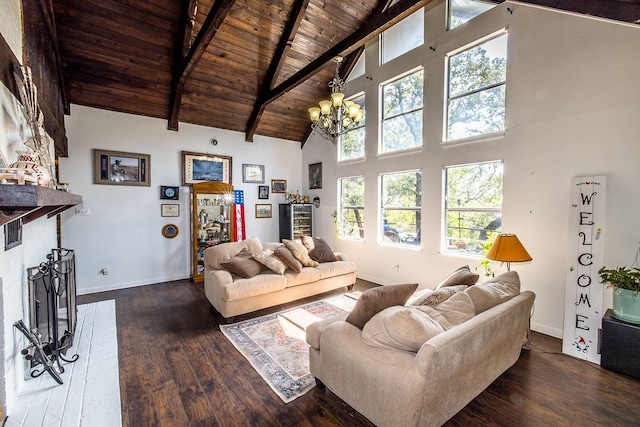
300,253
336,268
269,260
494,291
461,276
398,327
428,297
243,265
377,299
452,312
287,257
261,284
319,249
307,275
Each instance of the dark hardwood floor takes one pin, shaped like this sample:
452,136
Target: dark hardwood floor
178,369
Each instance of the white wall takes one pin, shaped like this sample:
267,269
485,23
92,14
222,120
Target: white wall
573,109
123,231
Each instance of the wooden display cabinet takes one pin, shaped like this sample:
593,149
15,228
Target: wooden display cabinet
212,219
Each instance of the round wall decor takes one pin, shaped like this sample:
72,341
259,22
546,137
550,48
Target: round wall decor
170,231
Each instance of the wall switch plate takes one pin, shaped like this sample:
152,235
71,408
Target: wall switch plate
83,211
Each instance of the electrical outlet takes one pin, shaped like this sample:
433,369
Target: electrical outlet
83,211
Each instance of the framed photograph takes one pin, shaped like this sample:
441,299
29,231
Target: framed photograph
315,176
170,210
169,193
278,185
263,192
253,173
200,167
121,168
263,211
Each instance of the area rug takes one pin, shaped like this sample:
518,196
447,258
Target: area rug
275,344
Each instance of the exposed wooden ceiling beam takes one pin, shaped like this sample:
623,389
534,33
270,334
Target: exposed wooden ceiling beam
210,27
280,55
369,30
349,62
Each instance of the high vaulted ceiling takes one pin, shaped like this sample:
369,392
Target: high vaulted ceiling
252,66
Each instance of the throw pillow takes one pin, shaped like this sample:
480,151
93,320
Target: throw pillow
287,257
435,297
243,265
494,291
300,252
454,311
377,299
319,249
404,328
462,276
269,260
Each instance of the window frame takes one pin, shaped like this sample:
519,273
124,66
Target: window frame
340,215
361,126
478,252
447,98
382,118
382,209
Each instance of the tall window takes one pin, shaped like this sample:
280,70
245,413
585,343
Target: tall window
351,145
351,216
477,81
402,101
472,207
402,37
401,207
460,11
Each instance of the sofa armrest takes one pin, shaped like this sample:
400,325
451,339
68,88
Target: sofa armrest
341,256
314,330
218,278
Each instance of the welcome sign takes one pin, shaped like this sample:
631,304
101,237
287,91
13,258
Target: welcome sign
583,290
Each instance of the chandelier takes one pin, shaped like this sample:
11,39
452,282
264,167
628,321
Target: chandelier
335,117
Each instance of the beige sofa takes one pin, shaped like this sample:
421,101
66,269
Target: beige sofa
427,387
231,295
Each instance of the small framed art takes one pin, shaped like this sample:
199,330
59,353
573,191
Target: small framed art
263,192
278,185
121,168
315,176
200,167
169,193
170,209
263,211
253,173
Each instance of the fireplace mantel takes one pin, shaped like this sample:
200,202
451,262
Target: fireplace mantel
30,202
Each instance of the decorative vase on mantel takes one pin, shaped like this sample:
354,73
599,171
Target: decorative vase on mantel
626,306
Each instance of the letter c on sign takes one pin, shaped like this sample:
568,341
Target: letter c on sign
588,256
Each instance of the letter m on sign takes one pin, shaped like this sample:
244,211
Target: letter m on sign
583,290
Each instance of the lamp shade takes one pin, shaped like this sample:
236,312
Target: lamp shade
507,248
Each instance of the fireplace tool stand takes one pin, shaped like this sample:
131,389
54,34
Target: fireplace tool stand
56,277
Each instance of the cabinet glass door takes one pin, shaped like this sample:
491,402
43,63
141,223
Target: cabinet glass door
212,220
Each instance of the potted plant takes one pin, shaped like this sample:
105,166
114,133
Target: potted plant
626,292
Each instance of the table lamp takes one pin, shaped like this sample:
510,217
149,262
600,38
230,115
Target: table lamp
507,248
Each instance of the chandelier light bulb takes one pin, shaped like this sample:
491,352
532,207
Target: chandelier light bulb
337,98
325,107
314,114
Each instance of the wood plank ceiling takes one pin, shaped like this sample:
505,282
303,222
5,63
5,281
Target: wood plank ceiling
252,66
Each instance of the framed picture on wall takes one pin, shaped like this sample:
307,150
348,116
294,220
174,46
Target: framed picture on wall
200,167
263,192
315,176
278,185
121,168
253,173
170,209
263,211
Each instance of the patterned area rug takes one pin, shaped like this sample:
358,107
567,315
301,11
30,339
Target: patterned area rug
275,344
